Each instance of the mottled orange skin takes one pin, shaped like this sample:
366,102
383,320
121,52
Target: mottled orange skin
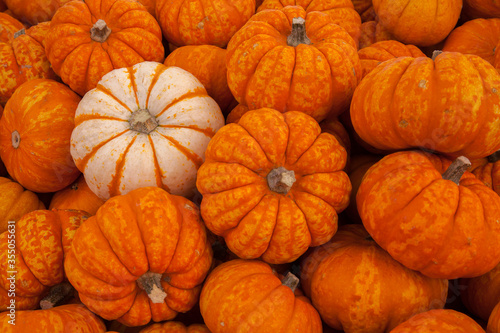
239,205
15,201
175,327
439,320
80,61
211,22
481,8
42,239
246,296
488,172
493,325
208,64
236,113
481,294
147,229
34,11
373,32
448,105
371,56
364,9
317,79
65,318
357,287
77,196
342,12
418,22
428,223
8,27
150,6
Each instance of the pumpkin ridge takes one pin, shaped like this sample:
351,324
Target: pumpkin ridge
258,144
115,182
110,94
199,91
158,72
190,155
159,181
275,224
131,71
85,117
208,132
83,162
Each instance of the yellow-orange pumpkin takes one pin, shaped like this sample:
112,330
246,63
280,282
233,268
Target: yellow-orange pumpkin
76,196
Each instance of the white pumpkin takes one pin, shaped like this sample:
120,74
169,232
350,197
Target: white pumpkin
146,125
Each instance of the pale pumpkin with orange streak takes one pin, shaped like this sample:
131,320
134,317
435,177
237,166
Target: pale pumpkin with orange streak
34,11
142,257
76,196
311,65
35,131
146,125
493,325
64,318
42,239
175,327
357,287
273,184
15,202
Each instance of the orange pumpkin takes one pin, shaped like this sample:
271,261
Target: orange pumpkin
76,196
150,6
175,327
373,32
446,104
142,257
494,320
15,202
481,8
488,171
246,296
310,65
443,225
439,320
35,248
273,184
364,9
35,132
88,39
211,22
34,11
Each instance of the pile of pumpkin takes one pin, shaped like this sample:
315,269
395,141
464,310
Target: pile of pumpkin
250,166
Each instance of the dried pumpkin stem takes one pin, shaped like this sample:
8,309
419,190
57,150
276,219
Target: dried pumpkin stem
143,121
298,35
151,284
495,157
280,180
100,31
290,281
57,294
457,169
16,139
19,33
435,53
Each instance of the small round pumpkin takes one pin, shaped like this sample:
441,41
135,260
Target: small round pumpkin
175,327
77,196
493,325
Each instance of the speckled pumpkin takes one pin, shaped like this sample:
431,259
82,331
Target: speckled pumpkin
273,184
145,125
175,327
34,11
142,257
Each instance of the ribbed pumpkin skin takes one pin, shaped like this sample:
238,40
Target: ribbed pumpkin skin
15,201
428,223
81,61
150,6
246,296
446,105
439,320
115,158
42,112
418,22
487,172
317,79
77,196
481,8
211,22
342,12
373,32
34,11
146,230
175,327
371,56
238,203
494,320
364,9
42,240
65,318
357,287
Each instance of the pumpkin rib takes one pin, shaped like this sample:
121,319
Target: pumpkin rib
110,94
190,155
190,94
157,166
131,77
115,182
83,162
191,127
158,72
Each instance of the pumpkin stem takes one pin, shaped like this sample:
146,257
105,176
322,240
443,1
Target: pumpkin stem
19,33
57,293
16,139
100,31
435,53
495,157
291,281
143,121
298,35
151,284
280,180
457,169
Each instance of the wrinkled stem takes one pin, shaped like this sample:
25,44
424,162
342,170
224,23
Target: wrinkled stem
298,35
435,53
290,281
56,295
143,121
457,169
280,180
100,31
151,284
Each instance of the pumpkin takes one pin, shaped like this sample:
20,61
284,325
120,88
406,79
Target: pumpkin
439,320
142,257
357,287
364,9
342,12
310,65
88,39
447,104
39,241
373,32
272,185
480,37
246,296
146,125
15,202
34,11
487,170
417,22
65,318
76,196
213,22
175,327
208,64
481,8
150,6
493,325
373,55
431,215
35,132
236,113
